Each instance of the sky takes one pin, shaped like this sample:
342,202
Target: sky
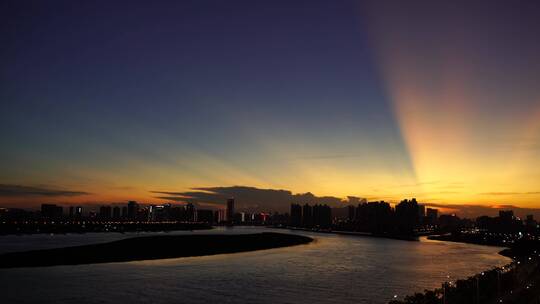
109,101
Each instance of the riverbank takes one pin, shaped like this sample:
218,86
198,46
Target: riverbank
354,233
151,248
516,282
61,227
515,249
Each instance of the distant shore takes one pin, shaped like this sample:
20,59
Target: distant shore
520,248
354,233
515,282
61,227
151,248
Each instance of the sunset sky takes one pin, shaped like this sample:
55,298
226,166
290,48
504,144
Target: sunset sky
108,102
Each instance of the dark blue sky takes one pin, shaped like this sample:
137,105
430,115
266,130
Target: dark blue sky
101,96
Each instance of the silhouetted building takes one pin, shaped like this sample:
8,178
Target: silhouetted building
190,212
219,216
296,215
530,224
421,211
206,216
230,210
105,212
142,214
322,216
507,222
78,212
152,213
15,214
375,217
51,211
132,210
307,216
243,217
116,212
124,212
449,222
280,219
506,216
159,213
432,216
407,216
351,213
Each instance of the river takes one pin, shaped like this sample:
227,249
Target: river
333,269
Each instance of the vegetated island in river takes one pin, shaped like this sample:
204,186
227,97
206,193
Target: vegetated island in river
151,248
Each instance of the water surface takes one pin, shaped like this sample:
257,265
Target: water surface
333,269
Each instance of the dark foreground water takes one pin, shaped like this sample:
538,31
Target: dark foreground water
333,269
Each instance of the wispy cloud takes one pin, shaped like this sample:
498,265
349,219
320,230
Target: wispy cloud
473,211
23,191
252,198
509,193
331,156
418,184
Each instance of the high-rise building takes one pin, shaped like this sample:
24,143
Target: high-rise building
205,216
432,215
152,213
506,215
159,213
105,212
51,211
351,213
220,216
322,216
242,217
230,210
296,215
78,212
421,211
407,216
116,212
132,210
190,212
307,216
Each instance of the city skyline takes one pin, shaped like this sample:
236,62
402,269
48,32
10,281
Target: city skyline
253,200
434,101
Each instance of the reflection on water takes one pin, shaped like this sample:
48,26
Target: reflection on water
334,269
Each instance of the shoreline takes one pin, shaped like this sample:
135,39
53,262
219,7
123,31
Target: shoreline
151,248
511,283
81,227
514,251
355,233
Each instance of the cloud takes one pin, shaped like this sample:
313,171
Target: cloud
25,191
255,199
474,211
331,156
250,198
418,184
510,193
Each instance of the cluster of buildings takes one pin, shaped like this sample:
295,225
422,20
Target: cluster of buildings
407,217
307,216
132,211
135,212
506,222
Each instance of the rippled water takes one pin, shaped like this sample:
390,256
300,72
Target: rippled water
333,269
